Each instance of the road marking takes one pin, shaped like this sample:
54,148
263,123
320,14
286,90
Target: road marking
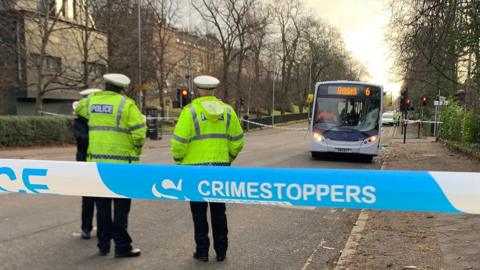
310,259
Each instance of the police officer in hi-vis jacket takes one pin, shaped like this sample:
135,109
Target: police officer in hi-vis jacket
116,132
208,133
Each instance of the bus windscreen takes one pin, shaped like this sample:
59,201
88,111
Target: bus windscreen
346,107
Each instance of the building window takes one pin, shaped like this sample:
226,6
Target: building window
7,4
47,7
52,64
64,8
95,68
74,9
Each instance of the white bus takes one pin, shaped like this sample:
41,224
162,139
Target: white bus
346,118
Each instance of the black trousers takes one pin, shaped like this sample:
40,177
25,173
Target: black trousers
219,227
115,227
88,206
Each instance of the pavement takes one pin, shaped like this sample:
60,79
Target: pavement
409,240
41,232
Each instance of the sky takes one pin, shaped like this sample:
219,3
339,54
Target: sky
362,24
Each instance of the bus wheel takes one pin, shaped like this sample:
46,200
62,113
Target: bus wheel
367,158
316,155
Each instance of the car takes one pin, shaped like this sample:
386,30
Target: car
388,119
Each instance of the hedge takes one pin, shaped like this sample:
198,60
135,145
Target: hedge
459,125
35,130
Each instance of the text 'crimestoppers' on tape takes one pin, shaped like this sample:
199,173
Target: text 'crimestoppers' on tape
450,192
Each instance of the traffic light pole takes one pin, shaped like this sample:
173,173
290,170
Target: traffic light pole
436,122
180,98
420,124
405,128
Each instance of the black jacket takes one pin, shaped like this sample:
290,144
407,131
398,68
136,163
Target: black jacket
80,132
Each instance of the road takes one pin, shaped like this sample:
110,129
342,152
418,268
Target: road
41,232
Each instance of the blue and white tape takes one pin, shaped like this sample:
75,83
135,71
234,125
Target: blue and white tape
449,192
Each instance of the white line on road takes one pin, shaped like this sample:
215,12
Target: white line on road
310,259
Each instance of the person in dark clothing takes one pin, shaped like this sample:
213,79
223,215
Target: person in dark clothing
80,132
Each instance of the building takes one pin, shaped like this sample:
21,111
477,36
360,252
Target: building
186,55
50,50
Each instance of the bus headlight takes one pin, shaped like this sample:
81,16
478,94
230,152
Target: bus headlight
370,139
318,136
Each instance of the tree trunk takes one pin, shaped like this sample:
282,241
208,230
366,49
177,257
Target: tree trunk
239,75
39,102
225,80
160,92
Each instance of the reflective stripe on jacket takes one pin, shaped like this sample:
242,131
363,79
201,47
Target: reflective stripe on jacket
117,129
208,132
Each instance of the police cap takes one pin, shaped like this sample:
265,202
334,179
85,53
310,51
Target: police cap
206,82
117,79
74,105
89,91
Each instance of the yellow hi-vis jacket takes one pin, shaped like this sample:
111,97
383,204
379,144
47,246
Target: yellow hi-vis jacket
208,132
116,127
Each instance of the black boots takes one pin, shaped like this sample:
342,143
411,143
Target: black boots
204,257
129,254
200,257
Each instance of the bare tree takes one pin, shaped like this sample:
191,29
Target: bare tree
228,20
436,44
48,70
287,15
257,39
91,45
163,15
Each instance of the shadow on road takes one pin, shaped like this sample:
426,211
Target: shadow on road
355,158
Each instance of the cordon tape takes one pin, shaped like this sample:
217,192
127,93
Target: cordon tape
449,192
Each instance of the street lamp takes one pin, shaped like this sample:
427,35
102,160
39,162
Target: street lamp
139,26
274,72
273,94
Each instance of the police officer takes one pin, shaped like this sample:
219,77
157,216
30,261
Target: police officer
117,132
208,133
80,132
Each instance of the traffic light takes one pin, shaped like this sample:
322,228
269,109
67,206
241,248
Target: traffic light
408,105
242,101
460,96
183,96
424,100
404,105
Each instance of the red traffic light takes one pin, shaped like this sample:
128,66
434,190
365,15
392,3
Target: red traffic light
424,100
408,101
184,92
